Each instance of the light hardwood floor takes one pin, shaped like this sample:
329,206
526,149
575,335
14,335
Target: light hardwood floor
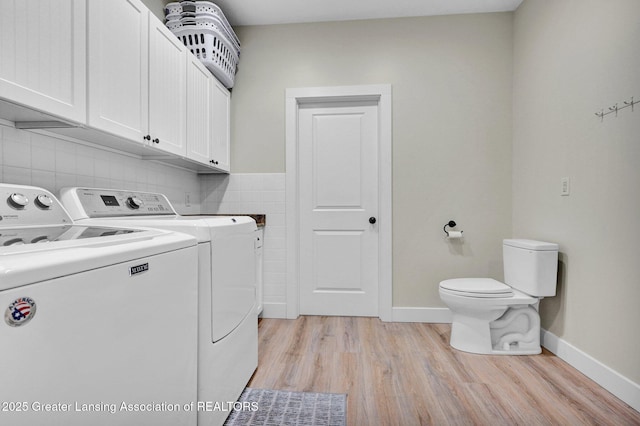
407,374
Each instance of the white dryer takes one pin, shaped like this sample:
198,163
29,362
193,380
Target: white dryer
228,326
99,323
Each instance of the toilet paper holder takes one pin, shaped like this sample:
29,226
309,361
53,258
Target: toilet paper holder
450,224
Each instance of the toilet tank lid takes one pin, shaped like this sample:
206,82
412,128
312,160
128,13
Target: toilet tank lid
531,245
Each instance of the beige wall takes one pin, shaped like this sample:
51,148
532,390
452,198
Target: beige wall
572,58
451,82
156,7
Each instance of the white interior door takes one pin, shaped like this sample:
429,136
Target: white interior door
338,201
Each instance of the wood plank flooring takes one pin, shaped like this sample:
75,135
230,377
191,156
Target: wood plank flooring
407,374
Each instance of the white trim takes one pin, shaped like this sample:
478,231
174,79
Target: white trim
274,310
294,97
417,314
609,379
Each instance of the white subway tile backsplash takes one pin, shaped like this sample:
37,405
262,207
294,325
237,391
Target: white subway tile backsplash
116,168
277,219
274,255
15,135
261,193
274,266
101,182
17,153
274,242
64,180
43,153
17,175
101,167
129,170
28,158
41,178
85,165
87,181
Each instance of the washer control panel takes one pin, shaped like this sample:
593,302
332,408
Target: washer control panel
94,203
22,205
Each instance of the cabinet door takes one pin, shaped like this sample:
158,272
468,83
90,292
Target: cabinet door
118,67
43,56
167,89
199,107
221,126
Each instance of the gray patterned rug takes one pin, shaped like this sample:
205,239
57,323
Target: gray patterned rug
280,408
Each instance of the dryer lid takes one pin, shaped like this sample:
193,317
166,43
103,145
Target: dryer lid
481,287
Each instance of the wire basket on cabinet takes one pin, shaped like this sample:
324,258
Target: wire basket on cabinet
213,50
203,28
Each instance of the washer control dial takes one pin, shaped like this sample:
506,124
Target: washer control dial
44,201
134,202
17,200
14,242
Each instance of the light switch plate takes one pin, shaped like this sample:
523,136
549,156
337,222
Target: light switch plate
565,186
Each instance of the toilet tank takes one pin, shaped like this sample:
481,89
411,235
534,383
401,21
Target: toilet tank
531,266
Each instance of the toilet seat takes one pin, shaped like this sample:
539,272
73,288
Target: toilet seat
477,287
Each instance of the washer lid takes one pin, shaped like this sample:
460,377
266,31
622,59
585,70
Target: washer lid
24,264
480,287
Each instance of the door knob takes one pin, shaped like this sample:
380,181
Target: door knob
372,220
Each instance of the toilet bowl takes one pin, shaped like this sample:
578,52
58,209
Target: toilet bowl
490,317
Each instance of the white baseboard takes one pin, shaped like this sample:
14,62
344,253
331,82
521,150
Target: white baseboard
609,379
413,314
274,310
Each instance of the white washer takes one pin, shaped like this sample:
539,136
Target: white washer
99,324
228,326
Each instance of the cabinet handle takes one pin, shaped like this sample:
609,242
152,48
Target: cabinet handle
372,220
147,137
156,140
213,161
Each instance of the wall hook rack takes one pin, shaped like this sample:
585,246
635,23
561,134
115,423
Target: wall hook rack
615,108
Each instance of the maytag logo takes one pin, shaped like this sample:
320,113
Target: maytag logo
138,269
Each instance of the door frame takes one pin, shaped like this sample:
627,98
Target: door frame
297,97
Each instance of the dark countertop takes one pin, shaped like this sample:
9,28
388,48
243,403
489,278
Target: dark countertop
261,219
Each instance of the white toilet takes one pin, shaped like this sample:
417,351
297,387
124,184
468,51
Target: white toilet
490,317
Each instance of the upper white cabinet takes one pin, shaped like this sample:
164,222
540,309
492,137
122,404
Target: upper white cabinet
114,69
119,67
43,56
221,116
207,117
167,88
137,76
199,107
